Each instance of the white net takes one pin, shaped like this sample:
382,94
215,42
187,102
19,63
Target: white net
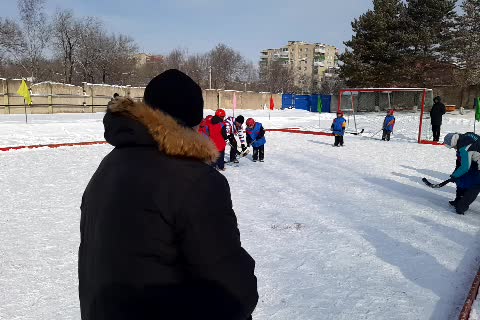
367,109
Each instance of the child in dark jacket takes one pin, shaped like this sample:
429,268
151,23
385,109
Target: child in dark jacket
256,138
388,125
338,128
203,128
218,135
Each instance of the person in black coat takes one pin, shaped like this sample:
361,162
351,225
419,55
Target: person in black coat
159,237
436,114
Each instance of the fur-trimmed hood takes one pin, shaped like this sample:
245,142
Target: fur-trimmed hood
171,138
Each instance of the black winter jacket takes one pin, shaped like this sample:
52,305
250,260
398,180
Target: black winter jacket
437,112
159,237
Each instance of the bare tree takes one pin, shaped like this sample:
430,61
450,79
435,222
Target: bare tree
10,36
66,38
278,77
176,59
145,72
196,66
331,86
88,53
227,65
115,59
35,32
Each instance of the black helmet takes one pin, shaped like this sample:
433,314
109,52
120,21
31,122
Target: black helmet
437,99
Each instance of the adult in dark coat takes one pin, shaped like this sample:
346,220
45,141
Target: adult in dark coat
159,237
436,114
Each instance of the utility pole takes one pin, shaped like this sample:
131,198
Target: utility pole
210,76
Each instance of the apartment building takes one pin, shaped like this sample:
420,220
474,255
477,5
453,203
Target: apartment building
310,62
145,59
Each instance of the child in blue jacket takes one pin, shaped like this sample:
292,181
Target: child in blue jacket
338,128
388,125
256,138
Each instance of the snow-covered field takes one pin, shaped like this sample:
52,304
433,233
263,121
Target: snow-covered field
337,233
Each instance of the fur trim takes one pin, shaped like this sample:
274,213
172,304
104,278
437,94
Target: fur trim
172,138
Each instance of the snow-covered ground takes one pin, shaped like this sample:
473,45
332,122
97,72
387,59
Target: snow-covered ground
337,233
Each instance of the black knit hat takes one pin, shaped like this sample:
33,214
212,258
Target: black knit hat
240,119
176,94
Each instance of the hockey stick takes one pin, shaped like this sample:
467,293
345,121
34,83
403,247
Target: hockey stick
355,133
240,153
438,185
376,133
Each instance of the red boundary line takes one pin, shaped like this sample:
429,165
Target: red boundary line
472,295
433,143
289,130
295,130
56,145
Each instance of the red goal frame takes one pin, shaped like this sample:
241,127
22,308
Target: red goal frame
422,90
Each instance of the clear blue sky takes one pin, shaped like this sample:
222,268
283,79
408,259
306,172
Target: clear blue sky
248,26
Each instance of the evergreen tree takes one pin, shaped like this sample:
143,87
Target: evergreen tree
429,26
430,30
467,42
374,54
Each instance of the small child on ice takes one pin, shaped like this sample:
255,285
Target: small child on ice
256,138
218,135
203,128
388,125
338,128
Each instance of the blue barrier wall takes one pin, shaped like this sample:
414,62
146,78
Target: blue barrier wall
302,102
326,101
306,102
288,101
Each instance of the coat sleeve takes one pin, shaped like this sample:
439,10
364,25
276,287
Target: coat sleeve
261,134
466,161
224,133
241,135
210,242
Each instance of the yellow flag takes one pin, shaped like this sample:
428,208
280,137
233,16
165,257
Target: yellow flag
24,92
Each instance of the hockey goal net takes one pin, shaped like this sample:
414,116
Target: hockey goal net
368,107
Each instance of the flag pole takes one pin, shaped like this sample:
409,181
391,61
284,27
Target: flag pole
25,106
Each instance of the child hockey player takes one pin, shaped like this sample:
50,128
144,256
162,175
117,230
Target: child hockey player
388,125
256,138
462,141
467,175
218,135
338,128
203,128
233,127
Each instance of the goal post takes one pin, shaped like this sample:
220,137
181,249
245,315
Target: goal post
410,104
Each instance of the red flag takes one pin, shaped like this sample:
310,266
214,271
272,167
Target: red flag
272,104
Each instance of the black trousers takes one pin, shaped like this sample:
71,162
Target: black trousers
386,135
233,147
466,198
220,164
338,141
436,132
259,153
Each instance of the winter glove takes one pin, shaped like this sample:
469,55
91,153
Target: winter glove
244,147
